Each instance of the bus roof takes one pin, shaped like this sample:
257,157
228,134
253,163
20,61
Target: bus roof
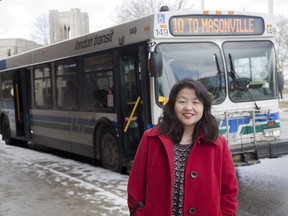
159,25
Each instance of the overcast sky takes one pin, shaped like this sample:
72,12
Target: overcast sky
17,17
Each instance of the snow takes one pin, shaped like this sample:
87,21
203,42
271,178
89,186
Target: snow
110,187
273,167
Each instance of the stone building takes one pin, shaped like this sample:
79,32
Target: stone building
13,46
66,25
62,25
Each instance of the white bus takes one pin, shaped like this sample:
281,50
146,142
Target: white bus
95,95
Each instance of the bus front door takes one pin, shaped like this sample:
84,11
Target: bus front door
131,122
21,105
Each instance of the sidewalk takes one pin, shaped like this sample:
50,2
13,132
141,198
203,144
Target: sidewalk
284,111
284,114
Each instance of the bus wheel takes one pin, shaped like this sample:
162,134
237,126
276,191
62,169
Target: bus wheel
109,151
6,133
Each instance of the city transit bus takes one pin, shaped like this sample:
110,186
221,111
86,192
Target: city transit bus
96,94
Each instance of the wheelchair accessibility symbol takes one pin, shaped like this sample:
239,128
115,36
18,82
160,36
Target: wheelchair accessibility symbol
161,18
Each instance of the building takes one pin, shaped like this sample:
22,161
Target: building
66,25
62,25
13,46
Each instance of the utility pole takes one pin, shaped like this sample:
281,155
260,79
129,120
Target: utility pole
270,7
202,4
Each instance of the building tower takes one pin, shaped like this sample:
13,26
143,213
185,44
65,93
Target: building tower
66,25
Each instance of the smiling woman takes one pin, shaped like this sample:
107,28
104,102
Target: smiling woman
185,143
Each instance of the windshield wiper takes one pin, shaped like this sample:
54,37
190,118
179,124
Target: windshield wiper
218,75
217,65
234,75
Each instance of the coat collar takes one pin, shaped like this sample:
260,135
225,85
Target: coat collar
155,132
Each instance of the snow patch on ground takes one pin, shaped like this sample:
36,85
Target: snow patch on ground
105,186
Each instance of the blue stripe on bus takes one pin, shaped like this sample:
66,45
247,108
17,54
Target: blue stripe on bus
266,117
65,123
56,119
8,104
3,65
235,122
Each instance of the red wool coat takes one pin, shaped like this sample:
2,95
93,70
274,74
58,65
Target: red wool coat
211,185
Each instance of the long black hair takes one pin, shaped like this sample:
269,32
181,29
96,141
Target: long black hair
169,124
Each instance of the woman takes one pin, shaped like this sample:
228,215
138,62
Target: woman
182,166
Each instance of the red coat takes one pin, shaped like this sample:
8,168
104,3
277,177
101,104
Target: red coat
211,185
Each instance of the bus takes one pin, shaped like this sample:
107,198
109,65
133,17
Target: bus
96,94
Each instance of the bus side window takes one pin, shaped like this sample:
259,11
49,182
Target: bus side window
42,86
70,93
101,97
7,91
98,88
66,84
98,80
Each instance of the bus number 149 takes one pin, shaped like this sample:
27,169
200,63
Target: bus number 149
162,32
270,31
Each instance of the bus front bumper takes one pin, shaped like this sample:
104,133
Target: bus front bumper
272,149
247,154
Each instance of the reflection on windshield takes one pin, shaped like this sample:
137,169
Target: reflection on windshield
253,77
199,61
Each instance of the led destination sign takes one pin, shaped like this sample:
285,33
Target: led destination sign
216,25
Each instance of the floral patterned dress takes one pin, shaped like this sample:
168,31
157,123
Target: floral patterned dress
181,153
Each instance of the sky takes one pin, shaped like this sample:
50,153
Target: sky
17,17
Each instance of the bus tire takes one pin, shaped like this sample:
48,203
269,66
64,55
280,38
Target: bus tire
109,151
6,133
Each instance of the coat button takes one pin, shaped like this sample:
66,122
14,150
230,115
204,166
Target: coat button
194,174
192,211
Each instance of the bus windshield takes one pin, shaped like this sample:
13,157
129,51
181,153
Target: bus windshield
251,70
199,61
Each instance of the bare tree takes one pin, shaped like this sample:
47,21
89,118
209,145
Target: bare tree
41,30
133,9
282,43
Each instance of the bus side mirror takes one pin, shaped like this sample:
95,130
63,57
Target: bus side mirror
280,81
156,65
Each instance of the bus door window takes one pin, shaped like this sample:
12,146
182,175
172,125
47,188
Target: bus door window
98,90
66,85
129,96
42,86
18,100
7,85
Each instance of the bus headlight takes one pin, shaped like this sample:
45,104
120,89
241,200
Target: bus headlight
275,132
